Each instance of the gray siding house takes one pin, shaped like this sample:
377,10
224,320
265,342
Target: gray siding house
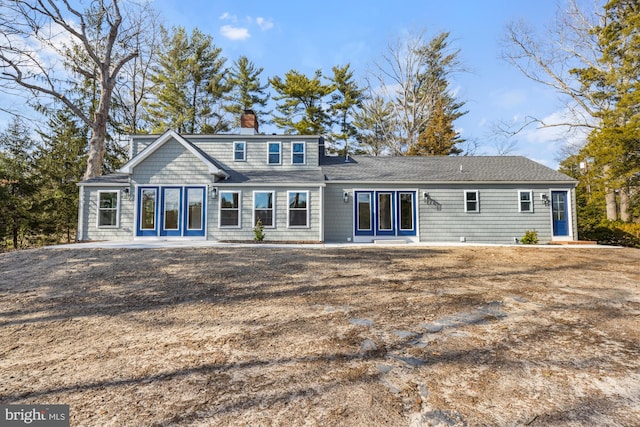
215,187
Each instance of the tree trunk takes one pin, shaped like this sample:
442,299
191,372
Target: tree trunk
610,200
95,159
625,204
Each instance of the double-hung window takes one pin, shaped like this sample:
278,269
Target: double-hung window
229,209
239,151
298,153
298,210
263,208
108,205
525,199
274,153
471,201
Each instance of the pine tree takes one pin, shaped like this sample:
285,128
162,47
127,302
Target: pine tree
18,181
440,136
346,98
375,122
615,145
247,92
302,110
189,88
60,164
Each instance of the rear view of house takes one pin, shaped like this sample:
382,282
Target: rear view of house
216,187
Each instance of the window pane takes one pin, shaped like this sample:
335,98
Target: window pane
238,151
107,218
171,208
298,200
298,217
266,216
274,153
471,201
298,153
148,214
384,211
229,218
108,200
228,200
364,212
194,213
263,200
406,211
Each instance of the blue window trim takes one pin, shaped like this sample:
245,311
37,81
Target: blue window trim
203,213
392,211
163,230
148,231
369,231
407,231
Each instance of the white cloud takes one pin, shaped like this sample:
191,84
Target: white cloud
226,16
264,24
234,33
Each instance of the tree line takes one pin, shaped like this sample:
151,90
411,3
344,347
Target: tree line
111,69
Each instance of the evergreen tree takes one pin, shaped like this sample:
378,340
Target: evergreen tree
440,137
18,182
189,88
615,145
247,92
375,123
346,98
302,110
60,164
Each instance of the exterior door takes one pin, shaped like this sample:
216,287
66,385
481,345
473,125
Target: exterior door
385,213
170,211
560,213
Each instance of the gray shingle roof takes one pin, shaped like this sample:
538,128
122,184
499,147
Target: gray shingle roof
275,176
439,169
112,178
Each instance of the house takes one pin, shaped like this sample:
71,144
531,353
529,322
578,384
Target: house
215,187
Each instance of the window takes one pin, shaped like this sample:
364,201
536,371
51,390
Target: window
239,151
298,209
471,201
364,211
406,211
274,153
108,202
229,209
526,201
263,208
195,198
385,218
298,153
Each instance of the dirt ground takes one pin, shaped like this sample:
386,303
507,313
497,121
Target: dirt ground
264,336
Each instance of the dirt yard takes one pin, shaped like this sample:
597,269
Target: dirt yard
264,336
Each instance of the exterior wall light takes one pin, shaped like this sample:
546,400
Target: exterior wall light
214,192
345,197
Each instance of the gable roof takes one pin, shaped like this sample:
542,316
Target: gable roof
440,169
212,165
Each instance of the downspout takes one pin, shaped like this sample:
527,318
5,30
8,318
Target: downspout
80,230
321,222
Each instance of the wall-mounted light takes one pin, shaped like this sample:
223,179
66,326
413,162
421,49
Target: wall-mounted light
545,198
214,192
126,193
345,197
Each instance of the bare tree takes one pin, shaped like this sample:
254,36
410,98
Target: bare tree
569,43
404,77
45,44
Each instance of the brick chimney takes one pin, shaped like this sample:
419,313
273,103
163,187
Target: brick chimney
248,123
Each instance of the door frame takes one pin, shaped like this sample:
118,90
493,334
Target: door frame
569,211
367,236
159,232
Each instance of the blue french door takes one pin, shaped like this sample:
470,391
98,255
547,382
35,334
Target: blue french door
560,213
385,213
171,211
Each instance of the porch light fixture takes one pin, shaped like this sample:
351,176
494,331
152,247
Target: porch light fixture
214,192
426,196
545,198
126,193
345,197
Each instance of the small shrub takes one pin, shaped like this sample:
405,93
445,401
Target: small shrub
530,237
258,231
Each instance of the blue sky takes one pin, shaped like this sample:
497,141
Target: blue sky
279,36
